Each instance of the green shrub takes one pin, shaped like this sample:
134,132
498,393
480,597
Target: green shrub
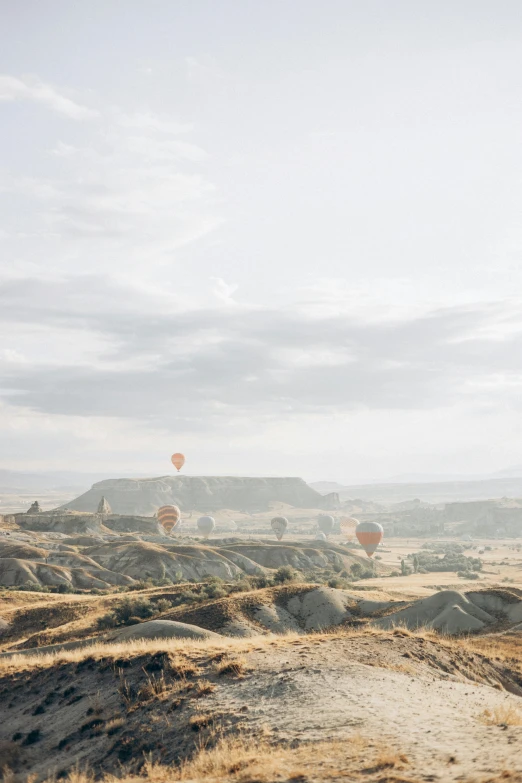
127,612
64,587
163,605
243,586
214,591
285,574
214,580
338,584
452,560
188,596
33,587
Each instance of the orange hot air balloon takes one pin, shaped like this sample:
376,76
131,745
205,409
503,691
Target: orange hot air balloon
369,535
169,517
178,460
347,526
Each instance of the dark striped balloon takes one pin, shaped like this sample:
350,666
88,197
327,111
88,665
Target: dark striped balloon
279,525
369,535
169,517
325,524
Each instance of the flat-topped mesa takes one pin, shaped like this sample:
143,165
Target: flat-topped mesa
203,493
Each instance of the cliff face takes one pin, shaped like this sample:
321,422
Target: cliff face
205,493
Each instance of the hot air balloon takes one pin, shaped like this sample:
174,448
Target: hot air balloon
369,535
279,525
347,526
178,460
320,536
206,525
325,524
169,517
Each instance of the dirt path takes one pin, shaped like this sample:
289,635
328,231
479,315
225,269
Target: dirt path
313,693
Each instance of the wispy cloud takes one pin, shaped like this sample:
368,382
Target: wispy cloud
14,89
131,185
232,362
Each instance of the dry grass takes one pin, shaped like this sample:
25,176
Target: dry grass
134,648
501,648
200,721
203,688
390,759
180,651
156,685
238,667
508,715
242,758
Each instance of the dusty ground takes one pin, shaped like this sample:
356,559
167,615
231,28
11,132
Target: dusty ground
502,566
353,704
424,704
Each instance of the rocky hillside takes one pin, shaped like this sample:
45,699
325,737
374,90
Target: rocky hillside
378,706
91,563
204,493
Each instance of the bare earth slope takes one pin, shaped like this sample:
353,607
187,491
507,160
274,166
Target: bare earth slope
296,608
123,560
409,703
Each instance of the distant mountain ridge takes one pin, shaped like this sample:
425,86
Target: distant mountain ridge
431,492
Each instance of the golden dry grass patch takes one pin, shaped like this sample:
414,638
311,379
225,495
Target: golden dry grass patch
243,758
237,667
203,688
133,648
504,715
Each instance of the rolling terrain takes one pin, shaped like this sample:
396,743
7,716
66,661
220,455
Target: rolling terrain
126,652
349,704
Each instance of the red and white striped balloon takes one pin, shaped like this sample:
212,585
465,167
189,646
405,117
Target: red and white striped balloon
369,535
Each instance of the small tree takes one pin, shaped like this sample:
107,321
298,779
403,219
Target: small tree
285,574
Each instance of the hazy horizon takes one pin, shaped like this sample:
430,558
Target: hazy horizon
284,240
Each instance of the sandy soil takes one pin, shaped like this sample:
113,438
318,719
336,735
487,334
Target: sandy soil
408,693
316,692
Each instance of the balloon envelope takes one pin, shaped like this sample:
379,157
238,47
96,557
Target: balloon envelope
369,535
325,524
169,517
279,525
206,525
178,460
320,536
347,526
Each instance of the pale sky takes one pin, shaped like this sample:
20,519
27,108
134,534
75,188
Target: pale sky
282,237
